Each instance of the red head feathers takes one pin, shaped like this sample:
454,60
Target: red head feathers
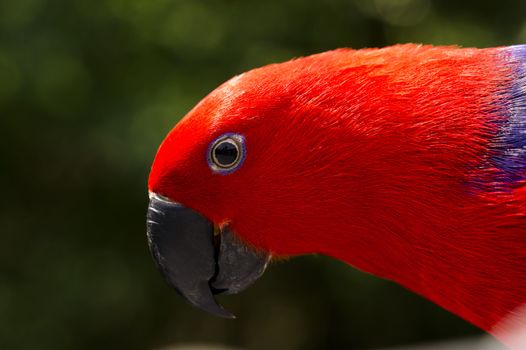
406,162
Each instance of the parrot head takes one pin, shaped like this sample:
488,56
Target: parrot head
395,161
248,175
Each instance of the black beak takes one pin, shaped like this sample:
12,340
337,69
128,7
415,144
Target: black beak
194,261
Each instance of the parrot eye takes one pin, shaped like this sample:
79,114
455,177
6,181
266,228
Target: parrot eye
226,153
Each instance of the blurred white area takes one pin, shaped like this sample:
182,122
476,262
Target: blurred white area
486,343
198,347
465,344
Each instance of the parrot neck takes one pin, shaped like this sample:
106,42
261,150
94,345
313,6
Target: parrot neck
442,213
471,262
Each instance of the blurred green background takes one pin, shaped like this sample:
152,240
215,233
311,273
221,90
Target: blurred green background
88,89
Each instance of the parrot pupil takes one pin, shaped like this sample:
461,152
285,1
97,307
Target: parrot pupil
226,153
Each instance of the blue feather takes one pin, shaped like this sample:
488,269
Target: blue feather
510,144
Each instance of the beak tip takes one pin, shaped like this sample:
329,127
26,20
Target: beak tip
229,316
215,309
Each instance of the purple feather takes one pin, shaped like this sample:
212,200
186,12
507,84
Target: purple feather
510,143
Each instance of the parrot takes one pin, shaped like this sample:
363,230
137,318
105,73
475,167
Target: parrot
407,162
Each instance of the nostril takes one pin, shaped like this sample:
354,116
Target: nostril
217,230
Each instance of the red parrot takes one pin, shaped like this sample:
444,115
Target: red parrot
407,162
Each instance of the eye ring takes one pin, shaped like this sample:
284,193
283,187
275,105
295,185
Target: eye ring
226,153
